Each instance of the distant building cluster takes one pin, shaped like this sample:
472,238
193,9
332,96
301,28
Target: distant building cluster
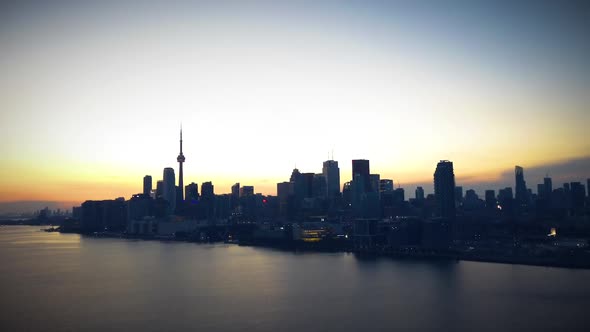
366,213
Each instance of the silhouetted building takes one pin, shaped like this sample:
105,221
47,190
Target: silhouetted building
347,194
298,185
459,194
578,194
207,190
541,190
520,189
444,189
235,195
375,182
246,191
399,196
286,195
548,186
491,202
306,184
107,215
284,190
192,192
139,207
207,206
147,185
169,188
319,187
419,193
385,185
159,189
361,174
472,201
506,200
361,203
180,160
331,173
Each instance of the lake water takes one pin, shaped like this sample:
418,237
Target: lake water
67,282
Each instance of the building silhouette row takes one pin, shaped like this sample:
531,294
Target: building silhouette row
310,197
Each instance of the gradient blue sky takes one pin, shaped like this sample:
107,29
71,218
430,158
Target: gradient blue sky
92,95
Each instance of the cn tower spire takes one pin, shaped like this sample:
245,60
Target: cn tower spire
180,160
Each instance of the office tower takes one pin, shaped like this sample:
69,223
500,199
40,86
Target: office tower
541,190
285,191
520,191
306,183
169,188
192,192
331,172
420,194
246,191
375,180
444,189
235,195
319,186
147,185
459,193
399,195
505,193
361,174
385,185
491,199
159,189
547,185
180,160
578,194
207,190
235,190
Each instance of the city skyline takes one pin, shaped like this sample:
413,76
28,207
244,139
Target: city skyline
87,112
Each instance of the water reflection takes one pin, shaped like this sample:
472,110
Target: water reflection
98,283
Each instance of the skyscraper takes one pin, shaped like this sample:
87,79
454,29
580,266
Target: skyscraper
547,185
361,174
520,192
459,194
191,192
331,172
375,180
207,190
159,189
491,202
169,188
147,185
235,195
180,160
419,193
385,185
444,189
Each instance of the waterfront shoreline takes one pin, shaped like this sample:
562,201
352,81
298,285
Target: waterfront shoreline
394,254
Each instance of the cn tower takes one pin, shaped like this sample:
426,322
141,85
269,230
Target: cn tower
180,160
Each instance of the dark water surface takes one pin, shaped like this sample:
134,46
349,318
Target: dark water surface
61,282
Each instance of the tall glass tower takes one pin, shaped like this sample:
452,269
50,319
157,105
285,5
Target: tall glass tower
444,189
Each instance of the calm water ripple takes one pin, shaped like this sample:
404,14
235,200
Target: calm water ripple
66,282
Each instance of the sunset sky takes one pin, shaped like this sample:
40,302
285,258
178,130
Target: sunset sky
92,96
